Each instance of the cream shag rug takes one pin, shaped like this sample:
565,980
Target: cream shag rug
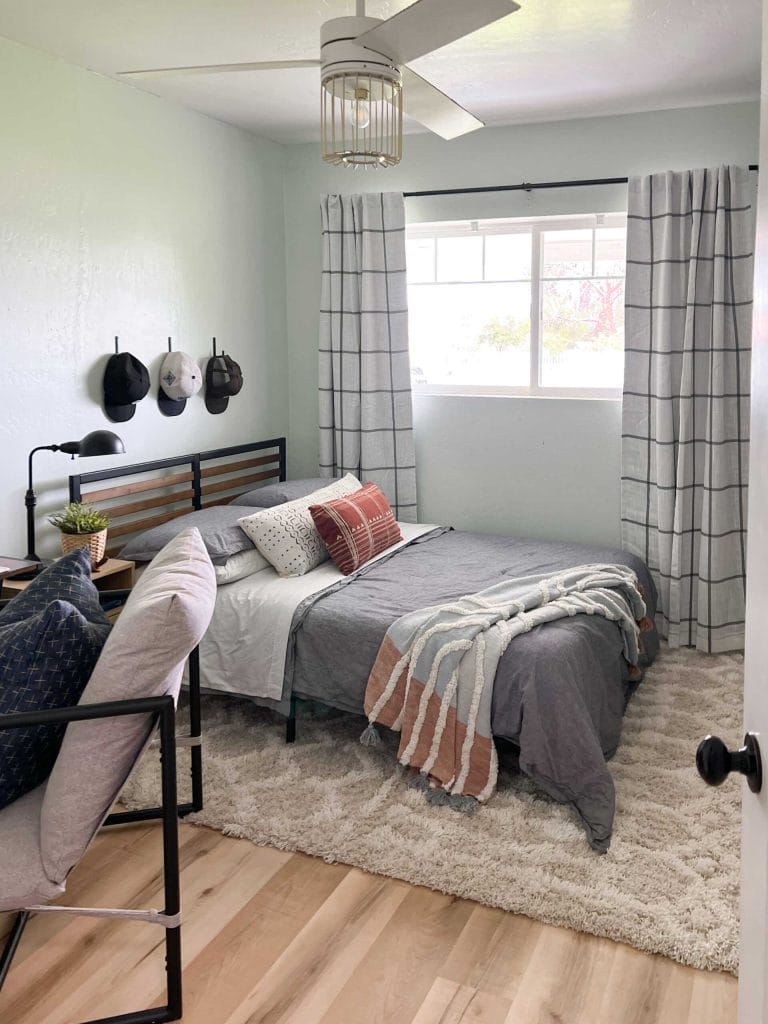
669,883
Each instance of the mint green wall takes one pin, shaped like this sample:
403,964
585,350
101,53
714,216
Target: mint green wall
540,467
121,213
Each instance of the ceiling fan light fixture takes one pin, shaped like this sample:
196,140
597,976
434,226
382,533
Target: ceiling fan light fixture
365,65
361,117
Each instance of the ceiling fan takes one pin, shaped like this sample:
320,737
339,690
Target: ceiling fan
366,82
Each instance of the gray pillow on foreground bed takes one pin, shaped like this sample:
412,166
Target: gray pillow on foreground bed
218,528
277,494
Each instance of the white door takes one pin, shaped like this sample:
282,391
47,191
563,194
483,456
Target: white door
753,975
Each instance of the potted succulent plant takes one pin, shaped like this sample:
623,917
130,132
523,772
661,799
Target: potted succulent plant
82,526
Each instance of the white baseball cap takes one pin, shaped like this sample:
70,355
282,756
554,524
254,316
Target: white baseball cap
180,379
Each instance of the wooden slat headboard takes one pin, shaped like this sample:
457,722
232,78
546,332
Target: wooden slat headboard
151,493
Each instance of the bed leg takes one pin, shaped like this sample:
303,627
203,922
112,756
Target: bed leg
290,723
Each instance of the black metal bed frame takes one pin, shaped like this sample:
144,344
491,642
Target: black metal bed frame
194,738
164,710
194,460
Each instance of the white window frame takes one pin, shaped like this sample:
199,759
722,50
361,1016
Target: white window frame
533,226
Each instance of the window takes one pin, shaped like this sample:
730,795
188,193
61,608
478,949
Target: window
531,307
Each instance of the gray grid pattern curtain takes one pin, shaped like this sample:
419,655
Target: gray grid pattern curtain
366,419
685,420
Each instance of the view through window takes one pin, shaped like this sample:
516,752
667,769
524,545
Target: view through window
518,306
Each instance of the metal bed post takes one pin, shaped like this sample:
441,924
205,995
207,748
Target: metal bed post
290,722
197,483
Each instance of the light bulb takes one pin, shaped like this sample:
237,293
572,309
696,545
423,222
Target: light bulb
359,114
359,110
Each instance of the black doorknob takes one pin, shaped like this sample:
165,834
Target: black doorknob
714,761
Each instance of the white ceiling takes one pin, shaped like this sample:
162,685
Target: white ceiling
552,59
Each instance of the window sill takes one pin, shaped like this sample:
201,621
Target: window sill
471,391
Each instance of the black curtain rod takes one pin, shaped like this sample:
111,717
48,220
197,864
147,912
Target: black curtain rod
525,186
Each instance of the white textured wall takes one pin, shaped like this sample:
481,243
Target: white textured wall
532,467
541,467
121,213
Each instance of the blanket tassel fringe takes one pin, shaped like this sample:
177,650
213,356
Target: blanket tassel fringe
419,781
440,797
370,736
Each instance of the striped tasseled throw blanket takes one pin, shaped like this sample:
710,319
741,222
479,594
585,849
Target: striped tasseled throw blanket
433,676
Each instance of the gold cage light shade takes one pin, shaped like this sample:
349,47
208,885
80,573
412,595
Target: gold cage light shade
361,118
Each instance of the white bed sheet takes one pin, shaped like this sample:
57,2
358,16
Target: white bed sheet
244,650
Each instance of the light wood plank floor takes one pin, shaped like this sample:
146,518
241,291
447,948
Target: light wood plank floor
279,938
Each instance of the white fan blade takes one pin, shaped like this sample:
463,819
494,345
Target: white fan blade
429,24
432,108
215,69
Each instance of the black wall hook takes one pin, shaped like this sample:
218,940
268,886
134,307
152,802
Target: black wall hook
170,347
117,346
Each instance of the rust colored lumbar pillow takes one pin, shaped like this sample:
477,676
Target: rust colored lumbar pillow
356,528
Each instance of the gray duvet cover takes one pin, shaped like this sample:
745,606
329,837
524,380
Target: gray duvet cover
560,690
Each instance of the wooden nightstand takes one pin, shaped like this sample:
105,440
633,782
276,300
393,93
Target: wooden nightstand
114,574
14,567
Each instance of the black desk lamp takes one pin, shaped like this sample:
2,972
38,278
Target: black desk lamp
98,442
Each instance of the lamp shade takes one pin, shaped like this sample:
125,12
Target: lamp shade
100,442
362,119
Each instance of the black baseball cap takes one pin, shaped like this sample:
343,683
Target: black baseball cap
223,378
126,381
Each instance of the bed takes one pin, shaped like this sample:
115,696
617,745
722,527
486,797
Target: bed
560,691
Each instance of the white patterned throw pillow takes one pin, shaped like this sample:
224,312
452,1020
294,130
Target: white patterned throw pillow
286,535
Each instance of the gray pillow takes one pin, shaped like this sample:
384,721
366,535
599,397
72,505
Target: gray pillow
276,494
218,528
166,615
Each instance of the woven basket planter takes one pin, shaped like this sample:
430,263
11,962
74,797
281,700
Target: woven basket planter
95,542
